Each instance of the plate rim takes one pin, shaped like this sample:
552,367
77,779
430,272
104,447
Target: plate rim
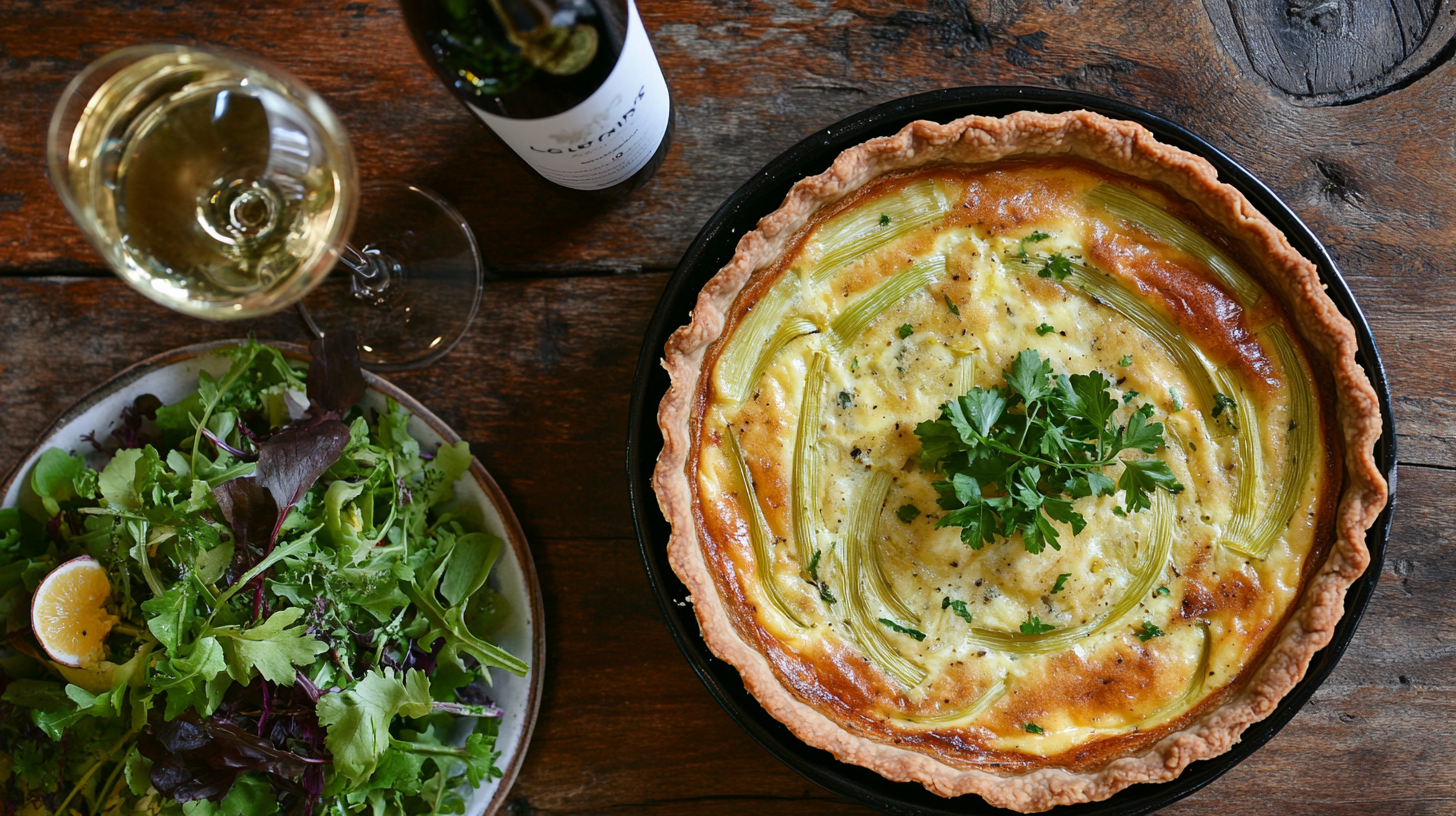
512,525
819,149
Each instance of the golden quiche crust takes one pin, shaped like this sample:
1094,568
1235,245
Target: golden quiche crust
1125,148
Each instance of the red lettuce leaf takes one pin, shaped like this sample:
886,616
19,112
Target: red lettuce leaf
335,382
251,512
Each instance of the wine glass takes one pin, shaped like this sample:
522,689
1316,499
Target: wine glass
217,184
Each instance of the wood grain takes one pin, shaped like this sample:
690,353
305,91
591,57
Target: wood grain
540,384
1330,52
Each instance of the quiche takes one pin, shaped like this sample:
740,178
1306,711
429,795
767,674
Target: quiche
1018,457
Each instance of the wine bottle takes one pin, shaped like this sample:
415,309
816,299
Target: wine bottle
572,86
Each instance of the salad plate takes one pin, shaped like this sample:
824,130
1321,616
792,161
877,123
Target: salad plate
173,375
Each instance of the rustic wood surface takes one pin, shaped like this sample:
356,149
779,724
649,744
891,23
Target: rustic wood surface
1346,109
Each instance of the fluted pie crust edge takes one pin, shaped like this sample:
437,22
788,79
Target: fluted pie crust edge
1127,148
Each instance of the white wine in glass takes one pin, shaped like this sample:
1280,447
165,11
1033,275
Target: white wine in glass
218,185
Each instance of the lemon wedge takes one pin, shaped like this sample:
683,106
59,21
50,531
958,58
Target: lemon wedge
68,613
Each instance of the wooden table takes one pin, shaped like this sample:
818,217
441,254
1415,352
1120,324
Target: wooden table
1346,109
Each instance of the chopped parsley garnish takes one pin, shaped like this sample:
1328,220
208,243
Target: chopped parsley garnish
853,365
1222,401
845,400
1118,511
1033,728
907,513
1125,361
1129,397
824,594
1147,410
954,309
1149,631
906,330
884,220
958,607
1057,266
1014,457
1031,239
904,630
1045,329
1033,626
1061,582
1162,590
1177,401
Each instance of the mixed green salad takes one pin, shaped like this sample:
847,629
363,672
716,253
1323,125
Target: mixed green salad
300,621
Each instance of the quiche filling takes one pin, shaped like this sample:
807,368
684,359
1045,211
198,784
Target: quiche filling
828,526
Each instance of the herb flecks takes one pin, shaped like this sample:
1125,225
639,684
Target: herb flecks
907,513
884,220
1061,582
905,331
904,630
1033,626
949,304
1045,329
824,594
958,607
1030,239
1014,458
1148,632
1033,728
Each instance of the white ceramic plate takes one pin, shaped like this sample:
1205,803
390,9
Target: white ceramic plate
173,375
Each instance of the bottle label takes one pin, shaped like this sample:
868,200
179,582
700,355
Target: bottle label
609,136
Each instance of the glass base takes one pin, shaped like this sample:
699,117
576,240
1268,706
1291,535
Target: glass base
417,284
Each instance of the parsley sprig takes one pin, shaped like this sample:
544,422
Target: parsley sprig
1014,457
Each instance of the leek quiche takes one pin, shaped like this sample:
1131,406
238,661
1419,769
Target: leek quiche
1018,457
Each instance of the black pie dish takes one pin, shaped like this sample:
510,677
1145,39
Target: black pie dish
712,249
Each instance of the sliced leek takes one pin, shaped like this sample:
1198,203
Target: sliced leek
965,374
1135,309
1289,490
1129,206
851,322
1191,692
968,714
759,533
806,464
1242,533
748,352
1147,572
863,524
862,230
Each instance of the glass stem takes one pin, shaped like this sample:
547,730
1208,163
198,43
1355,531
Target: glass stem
372,274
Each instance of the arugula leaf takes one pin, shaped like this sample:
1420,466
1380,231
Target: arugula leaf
357,720
958,607
904,630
